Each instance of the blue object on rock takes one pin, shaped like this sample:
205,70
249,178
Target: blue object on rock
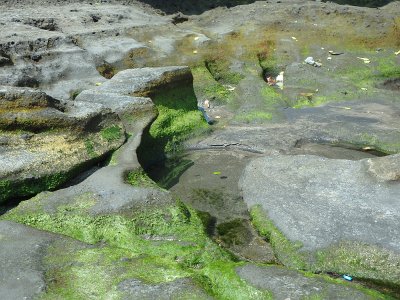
208,119
347,277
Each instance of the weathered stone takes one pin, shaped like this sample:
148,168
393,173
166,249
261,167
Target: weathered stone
58,138
22,250
147,81
330,207
289,284
114,50
178,289
120,104
385,168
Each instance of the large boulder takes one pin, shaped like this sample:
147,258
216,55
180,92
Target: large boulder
329,215
123,93
44,141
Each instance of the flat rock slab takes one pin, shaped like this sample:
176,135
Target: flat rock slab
289,284
179,289
322,202
22,250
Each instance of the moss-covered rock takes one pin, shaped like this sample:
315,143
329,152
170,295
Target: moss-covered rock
46,141
300,210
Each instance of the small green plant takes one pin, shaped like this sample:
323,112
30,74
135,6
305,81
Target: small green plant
139,178
89,145
74,94
112,133
255,116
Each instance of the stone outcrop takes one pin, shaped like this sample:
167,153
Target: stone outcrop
44,141
47,141
338,214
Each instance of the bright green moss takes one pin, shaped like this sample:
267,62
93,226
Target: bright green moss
89,145
254,116
175,231
96,272
223,281
111,133
178,119
139,178
285,250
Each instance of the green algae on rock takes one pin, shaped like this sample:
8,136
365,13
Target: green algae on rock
329,239
50,141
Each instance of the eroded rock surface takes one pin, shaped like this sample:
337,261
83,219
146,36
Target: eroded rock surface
284,284
146,243
330,206
46,141
23,250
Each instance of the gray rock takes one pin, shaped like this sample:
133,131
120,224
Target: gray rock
385,168
4,61
120,104
289,284
178,289
60,48
22,250
48,140
114,50
326,203
145,81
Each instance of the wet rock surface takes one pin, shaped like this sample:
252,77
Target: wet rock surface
82,79
178,289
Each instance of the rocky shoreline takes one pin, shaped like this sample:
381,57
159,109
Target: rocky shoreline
129,193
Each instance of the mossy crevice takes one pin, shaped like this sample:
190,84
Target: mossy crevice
208,88
12,190
285,250
178,119
267,60
365,262
219,68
